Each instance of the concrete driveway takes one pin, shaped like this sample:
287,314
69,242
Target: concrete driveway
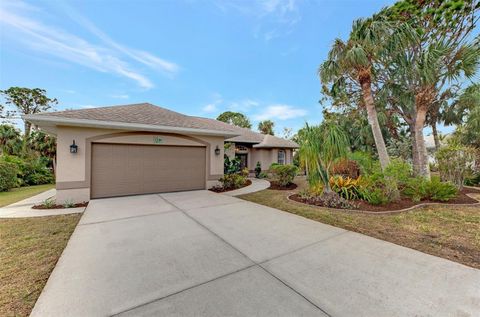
205,254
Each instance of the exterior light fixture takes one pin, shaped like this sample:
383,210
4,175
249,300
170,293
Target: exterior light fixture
73,147
217,151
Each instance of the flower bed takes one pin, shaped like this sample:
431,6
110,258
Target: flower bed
55,206
403,203
221,189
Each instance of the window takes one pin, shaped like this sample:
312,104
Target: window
281,157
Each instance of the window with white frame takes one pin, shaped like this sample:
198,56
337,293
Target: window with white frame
281,157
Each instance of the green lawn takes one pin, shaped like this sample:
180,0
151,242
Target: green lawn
17,194
451,232
29,250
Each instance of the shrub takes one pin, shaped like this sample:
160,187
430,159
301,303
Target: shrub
399,171
263,175
68,203
258,170
8,176
31,170
455,162
347,168
333,200
48,203
473,179
415,188
419,188
346,187
364,160
283,174
232,181
374,196
440,191
231,166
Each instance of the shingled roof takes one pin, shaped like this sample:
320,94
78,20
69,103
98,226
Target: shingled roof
148,115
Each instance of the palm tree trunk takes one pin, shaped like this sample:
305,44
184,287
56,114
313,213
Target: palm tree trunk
375,126
422,163
415,159
435,136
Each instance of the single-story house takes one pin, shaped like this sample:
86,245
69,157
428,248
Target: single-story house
143,148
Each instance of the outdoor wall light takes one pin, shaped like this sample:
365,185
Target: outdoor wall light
217,151
73,147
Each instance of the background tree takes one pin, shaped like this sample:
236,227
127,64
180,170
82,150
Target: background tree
466,114
27,101
287,133
10,140
266,127
45,145
437,57
235,118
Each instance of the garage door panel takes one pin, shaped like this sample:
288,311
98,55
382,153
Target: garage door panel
121,169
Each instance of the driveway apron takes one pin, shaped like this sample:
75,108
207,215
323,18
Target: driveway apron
204,254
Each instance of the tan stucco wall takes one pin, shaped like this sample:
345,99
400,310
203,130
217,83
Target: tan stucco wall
73,170
266,156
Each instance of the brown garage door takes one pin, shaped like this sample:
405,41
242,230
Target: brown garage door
121,169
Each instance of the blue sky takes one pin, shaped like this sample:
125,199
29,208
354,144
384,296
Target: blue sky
195,57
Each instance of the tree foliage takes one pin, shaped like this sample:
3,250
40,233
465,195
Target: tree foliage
27,101
235,118
266,127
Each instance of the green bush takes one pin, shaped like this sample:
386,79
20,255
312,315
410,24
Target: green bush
232,181
283,174
365,162
258,170
473,179
455,162
31,170
8,176
399,171
419,188
334,200
440,191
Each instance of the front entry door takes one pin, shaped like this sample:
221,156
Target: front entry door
243,160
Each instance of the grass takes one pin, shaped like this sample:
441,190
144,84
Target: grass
29,250
451,232
17,194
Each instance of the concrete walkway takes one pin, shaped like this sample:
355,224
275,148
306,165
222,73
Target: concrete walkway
256,186
23,208
205,254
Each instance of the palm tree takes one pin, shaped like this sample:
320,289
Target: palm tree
10,140
352,63
266,127
320,147
45,145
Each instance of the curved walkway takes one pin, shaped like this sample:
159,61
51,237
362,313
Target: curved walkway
256,186
23,208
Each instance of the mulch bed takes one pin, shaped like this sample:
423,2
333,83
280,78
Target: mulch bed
403,203
274,185
219,189
84,204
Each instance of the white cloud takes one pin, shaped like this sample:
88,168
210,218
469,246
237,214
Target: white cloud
57,42
280,112
273,18
87,106
211,107
120,96
243,105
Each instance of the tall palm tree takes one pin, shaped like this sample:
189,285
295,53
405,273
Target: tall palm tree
320,147
45,145
352,64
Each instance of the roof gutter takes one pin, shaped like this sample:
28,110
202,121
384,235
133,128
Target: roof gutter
45,120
